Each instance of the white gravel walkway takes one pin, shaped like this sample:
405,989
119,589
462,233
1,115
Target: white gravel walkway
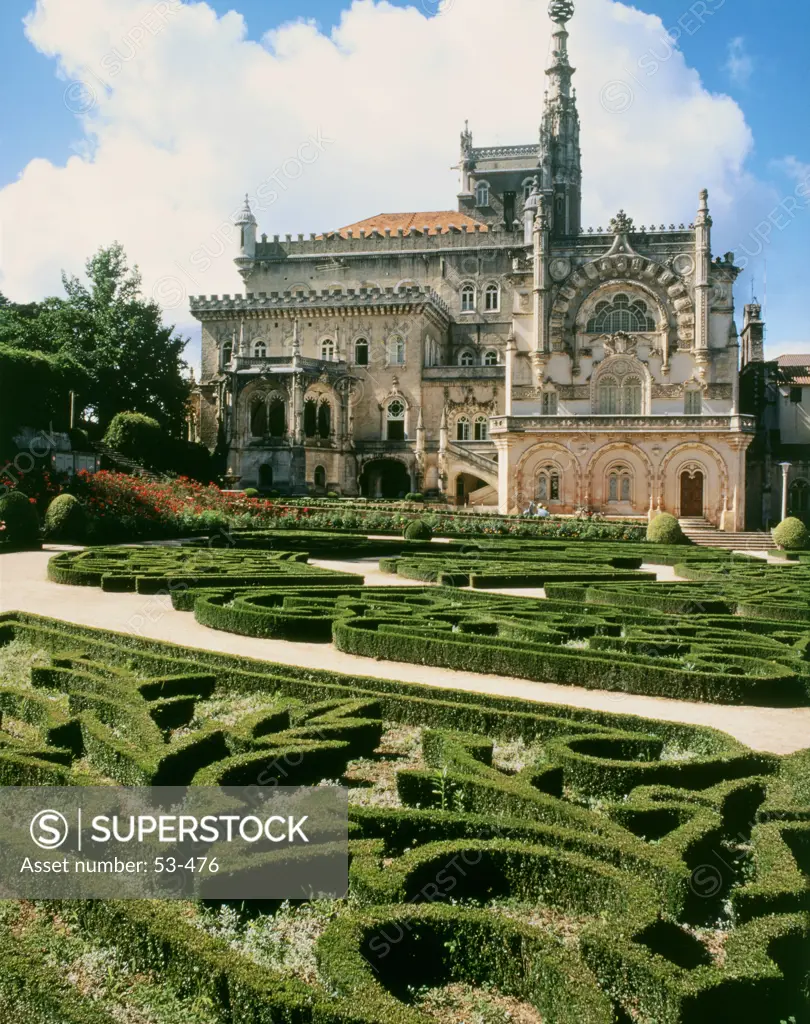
24,587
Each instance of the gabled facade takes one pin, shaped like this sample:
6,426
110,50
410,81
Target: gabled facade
496,354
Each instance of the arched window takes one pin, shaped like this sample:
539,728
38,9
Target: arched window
482,194
549,403
258,418
310,418
328,351
468,298
466,358
431,352
608,396
621,315
277,417
548,484
324,419
320,477
491,358
396,351
227,353
492,298
260,350
395,417
693,402
361,352
799,499
481,429
462,429
620,484
631,396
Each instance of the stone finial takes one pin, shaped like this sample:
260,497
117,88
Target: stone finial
561,11
621,224
246,214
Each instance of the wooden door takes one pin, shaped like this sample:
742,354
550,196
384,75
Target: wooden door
692,494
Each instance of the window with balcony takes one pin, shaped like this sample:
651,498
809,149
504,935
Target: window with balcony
324,420
620,484
396,351
227,354
693,402
462,429
328,351
491,358
619,396
548,484
481,428
258,418
549,403
361,352
466,358
395,420
622,314
310,417
277,417
260,350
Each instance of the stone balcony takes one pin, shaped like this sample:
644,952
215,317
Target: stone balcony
463,373
709,424
285,364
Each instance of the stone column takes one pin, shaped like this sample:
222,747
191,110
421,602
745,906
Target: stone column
511,348
785,471
703,257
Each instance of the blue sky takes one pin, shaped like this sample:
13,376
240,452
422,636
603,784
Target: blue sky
751,50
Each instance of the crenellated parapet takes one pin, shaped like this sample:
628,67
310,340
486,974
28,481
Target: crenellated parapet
326,302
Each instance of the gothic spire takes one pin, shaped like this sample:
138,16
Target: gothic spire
560,160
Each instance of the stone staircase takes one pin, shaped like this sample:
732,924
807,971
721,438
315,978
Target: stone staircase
701,531
122,463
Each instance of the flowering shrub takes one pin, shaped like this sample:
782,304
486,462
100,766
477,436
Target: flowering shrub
125,508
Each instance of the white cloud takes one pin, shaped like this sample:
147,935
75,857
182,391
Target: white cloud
739,63
184,115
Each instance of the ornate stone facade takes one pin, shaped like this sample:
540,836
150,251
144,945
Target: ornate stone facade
494,354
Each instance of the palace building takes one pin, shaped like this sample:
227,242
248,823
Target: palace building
493,354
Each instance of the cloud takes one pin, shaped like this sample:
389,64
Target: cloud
180,114
739,64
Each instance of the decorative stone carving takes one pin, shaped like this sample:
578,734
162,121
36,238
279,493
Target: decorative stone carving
559,268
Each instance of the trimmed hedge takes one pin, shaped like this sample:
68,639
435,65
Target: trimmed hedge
665,529
791,534
20,523
66,520
609,820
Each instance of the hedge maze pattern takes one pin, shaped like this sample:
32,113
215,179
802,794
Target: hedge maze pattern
150,570
619,870
735,633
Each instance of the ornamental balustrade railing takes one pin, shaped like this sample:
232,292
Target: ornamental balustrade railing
464,372
685,424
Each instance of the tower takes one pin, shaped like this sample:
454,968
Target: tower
560,156
246,223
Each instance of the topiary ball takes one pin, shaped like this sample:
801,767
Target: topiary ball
418,530
21,523
66,519
665,529
791,534
250,492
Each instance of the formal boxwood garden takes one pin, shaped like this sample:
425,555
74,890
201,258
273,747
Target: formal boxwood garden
545,862
733,631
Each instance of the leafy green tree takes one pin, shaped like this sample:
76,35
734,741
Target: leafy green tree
130,361
135,362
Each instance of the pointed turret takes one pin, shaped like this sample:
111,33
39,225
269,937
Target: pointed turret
560,157
246,223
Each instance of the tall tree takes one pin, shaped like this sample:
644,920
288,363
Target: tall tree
131,361
134,362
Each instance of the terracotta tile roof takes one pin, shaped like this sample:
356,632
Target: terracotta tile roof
439,222
792,367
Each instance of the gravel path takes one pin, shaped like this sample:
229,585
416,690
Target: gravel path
24,587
